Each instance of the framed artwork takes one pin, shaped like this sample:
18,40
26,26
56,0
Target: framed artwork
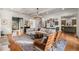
56,22
73,21
16,23
63,22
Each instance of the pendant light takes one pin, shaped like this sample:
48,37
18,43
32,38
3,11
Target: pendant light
37,14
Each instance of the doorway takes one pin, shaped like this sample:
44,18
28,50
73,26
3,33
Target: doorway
17,25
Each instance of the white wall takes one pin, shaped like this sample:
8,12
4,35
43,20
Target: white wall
6,16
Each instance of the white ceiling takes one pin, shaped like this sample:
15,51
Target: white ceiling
32,11
42,11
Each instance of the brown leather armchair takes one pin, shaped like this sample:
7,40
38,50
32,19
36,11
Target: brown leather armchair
46,44
13,45
72,42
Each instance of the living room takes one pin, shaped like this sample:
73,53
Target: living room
34,29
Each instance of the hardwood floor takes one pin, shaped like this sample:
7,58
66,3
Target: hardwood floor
4,44
25,41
